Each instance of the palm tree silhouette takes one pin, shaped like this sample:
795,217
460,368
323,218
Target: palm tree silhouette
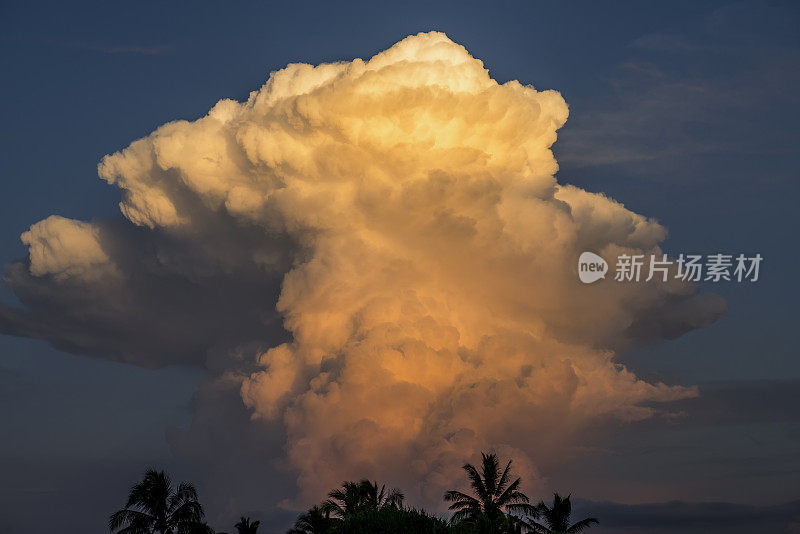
355,497
494,492
155,507
315,521
374,498
556,518
246,526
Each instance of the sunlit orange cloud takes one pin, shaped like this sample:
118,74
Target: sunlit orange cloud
430,285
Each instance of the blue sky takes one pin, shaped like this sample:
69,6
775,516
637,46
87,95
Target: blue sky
684,111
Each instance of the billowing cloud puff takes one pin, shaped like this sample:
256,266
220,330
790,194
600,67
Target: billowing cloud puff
64,248
401,217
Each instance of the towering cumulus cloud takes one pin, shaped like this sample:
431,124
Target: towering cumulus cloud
400,219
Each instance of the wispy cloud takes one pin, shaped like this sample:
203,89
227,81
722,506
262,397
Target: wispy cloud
674,43
671,98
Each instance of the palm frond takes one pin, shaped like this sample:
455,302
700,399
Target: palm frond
462,515
501,483
511,495
395,498
524,508
135,530
491,470
477,482
331,507
581,525
457,496
188,512
132,518
185,493
538,528
153,505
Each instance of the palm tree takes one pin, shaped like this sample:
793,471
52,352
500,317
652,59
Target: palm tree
315,521
344,501
246,526
154,507
355,497
556,518
494,492
374,498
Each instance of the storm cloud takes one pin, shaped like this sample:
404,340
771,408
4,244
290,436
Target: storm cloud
375,261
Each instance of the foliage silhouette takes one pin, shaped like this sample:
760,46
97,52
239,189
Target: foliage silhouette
496,506
315,521
495,496
556,518
355,497
154,506
246,526
390,520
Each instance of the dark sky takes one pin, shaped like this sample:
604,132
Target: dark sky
684,111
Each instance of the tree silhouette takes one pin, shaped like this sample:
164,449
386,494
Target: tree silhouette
390,520
154,507
495,495
355,497
557,516
374,498
315,521
246,526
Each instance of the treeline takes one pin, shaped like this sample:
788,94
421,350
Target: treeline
494,505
